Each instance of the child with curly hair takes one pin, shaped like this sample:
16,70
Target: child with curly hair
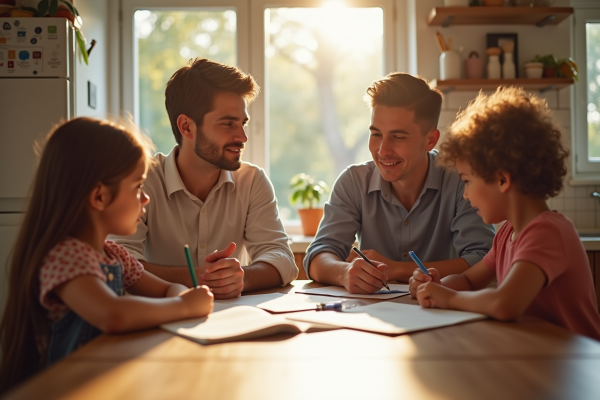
507,149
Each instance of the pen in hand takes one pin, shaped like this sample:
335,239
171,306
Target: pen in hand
419,263
188,257
357,251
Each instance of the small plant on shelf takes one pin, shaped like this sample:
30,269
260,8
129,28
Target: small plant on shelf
563,67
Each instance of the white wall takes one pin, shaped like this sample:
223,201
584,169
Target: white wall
94,14
575,201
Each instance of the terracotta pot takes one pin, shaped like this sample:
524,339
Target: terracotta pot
16,13
310,218
549,72
64,12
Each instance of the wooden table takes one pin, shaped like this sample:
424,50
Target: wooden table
529,359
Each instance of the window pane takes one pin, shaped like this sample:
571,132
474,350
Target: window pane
593,86
166,41
319,61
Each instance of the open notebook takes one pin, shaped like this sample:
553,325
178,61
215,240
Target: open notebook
238,323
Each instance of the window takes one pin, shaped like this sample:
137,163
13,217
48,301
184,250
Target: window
313,60
318,62
587,93
166,40
159,39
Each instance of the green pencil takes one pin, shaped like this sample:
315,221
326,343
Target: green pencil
186,248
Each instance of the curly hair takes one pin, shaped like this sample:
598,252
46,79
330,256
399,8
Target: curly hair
509,131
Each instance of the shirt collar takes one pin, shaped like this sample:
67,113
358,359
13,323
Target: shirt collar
433,180
173,179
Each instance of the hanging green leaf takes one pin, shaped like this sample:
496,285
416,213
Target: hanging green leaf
81,43
53,8
43,7
70,6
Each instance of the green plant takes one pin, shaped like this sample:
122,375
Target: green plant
306,190
548,60
567,67
50,7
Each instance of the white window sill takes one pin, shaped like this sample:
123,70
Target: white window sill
585,179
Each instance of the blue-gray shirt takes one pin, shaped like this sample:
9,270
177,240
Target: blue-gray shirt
441,225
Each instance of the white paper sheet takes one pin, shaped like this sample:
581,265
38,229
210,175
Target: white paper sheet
389,318
276,302
339,291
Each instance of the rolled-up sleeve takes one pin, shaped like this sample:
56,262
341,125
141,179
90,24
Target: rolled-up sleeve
265,238
341,222
472,238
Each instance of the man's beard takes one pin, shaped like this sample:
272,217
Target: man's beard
210,152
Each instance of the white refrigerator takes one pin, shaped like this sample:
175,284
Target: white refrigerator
37,81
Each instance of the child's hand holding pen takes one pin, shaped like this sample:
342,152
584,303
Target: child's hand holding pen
419,278
198,301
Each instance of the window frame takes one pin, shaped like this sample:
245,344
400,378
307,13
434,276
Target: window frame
584,171
129,63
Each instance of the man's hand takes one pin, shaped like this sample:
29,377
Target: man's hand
397,270
432,295
223,275
362,277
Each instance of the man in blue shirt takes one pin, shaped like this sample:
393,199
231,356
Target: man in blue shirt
400,201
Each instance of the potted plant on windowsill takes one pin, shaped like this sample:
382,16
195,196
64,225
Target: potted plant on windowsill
307,192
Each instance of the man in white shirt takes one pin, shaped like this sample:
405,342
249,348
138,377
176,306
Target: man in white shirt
203,195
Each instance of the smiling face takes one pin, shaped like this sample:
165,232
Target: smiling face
397,143
486,197
220,140
123,214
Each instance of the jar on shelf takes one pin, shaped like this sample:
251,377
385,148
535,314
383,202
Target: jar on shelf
508,67
493,67
449,65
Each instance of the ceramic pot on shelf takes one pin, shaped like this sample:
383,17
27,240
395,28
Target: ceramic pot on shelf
449,65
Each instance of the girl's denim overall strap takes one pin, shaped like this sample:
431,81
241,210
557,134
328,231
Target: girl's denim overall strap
71,331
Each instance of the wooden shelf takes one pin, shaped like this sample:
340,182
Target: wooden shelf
540,16
541,85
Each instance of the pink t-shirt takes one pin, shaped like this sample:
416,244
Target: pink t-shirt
72,258
551,242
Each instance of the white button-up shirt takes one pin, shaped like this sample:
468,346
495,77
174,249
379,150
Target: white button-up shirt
240,208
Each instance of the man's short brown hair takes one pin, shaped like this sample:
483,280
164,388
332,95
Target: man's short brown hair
192,89
509,131
399,89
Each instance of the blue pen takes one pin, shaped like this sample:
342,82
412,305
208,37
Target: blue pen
419,263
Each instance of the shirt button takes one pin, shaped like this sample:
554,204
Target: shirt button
201,245
405,254
111,277
204,211
406,222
